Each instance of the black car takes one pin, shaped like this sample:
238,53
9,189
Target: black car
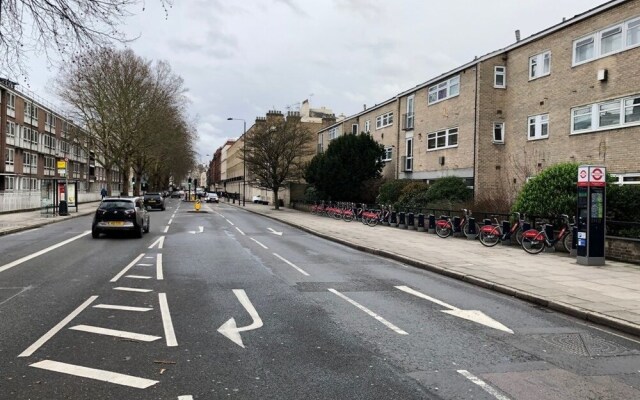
115,214
154,200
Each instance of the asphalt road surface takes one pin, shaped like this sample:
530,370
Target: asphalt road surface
228,304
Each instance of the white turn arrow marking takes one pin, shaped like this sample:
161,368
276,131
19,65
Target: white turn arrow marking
201,229
230,329
275,232
471,315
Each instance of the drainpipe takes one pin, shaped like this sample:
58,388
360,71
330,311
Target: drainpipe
475,133
397,172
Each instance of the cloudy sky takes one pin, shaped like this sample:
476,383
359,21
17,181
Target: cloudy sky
242,58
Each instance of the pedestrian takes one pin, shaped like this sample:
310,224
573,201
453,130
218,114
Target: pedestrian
103,193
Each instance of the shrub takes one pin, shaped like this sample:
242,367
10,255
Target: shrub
550,193
391,191
451,189
413,195
623,203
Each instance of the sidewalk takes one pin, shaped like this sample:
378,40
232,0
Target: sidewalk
608,295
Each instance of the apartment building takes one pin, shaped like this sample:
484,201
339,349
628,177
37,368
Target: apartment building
568,93
33,137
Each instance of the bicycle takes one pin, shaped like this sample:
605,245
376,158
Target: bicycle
444,227
490,235
534,241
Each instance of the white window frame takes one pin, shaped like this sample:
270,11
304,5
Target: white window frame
448,89
11,105
388,154
410,112
408,165
29,159
367,126
500,71
543,63
333,133
30,113
538,122
354,129
10,156
49,163
621,178
384,120
595,112
447,134
11,129
9,183
499,125
627,31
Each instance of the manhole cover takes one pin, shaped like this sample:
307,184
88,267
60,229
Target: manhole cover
583,344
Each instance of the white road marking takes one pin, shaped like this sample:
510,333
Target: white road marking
38,343
41,252
471,315
123,308
127,268
145,265
159,242
137,276
485,386
371,313
112,332
187,397
169,333
303,272
200,230
97,374
230,329
130,289
263,246
230,222
170,221
159,274
274,231
238,229
166,229
22,290
148,257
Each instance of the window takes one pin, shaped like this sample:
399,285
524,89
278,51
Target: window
539,127
29,135
50,121
367,126
498,132
408,122
610,114
49,142
9,157
500,77
9,183
29,184
11,129
384,120
29,159
354,129
11,104
30,113
388,154
49,163
444,90
442,139
333,133
610,40
540,65
628,179
409,158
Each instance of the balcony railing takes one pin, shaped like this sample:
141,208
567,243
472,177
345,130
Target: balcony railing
407,121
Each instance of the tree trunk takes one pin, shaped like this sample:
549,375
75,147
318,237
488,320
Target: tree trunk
276,202
107,174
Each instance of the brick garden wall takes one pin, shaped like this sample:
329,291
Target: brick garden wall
626,250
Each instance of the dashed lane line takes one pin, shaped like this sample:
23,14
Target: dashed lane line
38,343
238,229
303,272
97,374
130,289
137,276
159,273
485,386
169,333
122,308
263,246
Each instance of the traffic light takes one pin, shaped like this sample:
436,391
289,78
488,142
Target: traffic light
195,182
189,179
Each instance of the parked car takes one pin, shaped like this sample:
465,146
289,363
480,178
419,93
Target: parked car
212,198
154,200
115,214
257,199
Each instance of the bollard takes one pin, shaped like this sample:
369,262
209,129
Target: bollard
411,224
472,231
574,242
506,228
548,228
402,223
456,225
394,219
432,224
421,223
196,205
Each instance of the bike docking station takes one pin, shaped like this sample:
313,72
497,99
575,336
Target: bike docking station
591,214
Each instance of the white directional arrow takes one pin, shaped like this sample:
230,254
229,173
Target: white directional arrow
230,329
201,229
471,315
274,232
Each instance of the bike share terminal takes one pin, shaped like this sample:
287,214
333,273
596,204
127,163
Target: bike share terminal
591,214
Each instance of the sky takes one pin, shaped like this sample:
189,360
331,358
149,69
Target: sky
241,59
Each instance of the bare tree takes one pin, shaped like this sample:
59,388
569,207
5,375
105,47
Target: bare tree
276,151
65,27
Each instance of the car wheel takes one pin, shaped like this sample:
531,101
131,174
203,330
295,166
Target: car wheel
146,230
95,233
139,231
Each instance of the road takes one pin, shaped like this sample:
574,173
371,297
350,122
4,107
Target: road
226,303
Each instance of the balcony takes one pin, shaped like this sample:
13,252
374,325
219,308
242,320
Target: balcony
407,121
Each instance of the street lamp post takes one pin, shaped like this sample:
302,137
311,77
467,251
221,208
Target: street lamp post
244,162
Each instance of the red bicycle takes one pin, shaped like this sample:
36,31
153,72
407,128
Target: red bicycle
444,227
534,241
490,235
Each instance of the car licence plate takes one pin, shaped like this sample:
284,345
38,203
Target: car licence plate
116,223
